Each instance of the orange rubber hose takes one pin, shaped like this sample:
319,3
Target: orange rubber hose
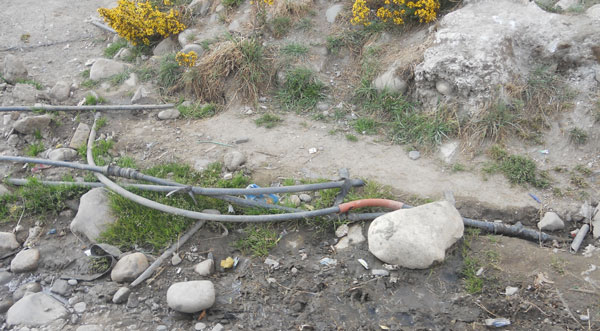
390,204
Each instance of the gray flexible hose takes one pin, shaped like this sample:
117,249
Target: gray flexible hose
134,174
94,108
193,214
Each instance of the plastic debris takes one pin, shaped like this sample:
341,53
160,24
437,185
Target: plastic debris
511,290
497,322
227,263
545,151
363,263
328,261
52,231
583,231
380,272
584,318
535,198
266,198
312,150
390,267
479,272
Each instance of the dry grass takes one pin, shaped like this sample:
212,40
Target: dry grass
291,7
521,108
238,64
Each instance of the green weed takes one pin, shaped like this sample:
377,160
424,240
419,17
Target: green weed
92,100
89,83
100,151
85,73
305,24
232,3
100,123
518,169
118,79
113,49
126,162
578,136
268,121
198,110
301,90
35,148
583,170
351,137
37,134
281,26
259,240
38,198
456,167
145,73
365,125
294,50
169,71
32,82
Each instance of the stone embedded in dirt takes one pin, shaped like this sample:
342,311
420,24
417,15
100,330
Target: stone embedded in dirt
72,282
295,200
94,214
551,222
80,307
341,231
355,236
104,68
200,7
187,36
61,287
305,197
25,261
205,268
8,242
443,87
380,272
332,12
80,136
390,82
218,327
191,297
31,124
193,48
596,223
62,154
132,81
90,327
168,114
60,91
233,160
415,238
14,69
26,289
142,96
5,277
25,93
5,300
122,295
165,47
35,310
129,267
199,326
414,155
594,13
176,259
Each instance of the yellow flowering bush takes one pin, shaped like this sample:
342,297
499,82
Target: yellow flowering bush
139,21
397,11
186,59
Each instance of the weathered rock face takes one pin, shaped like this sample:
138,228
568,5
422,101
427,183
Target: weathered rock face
129,267
93,215
60,91
14,69
233,160
417,237
487,43
80,136
104,68
551,222
390,82
24,93
29,125
35,310
167,46
200,7
191,297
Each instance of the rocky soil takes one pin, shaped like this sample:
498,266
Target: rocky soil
408,270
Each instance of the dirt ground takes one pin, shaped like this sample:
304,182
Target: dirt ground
556,289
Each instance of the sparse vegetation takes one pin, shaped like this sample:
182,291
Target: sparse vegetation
126,162
198,110
365,125
100,123
301,90
578,136
232,3
100,152
351,137
118,79
281,26
32,82
259,240
92,100
294,50
114,48
169,71
35,148
268,121
518,169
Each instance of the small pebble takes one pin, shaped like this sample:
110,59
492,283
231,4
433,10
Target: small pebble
199,326
414,155
176,259
80,307
72,282
161,328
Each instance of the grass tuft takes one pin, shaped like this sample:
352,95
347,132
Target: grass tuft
578,136
301,90
365,125
169,71
294,50
268,121
281,26
198,110
113,49
32,82
518,169
259,240
35,148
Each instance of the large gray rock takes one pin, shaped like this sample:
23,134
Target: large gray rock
61,287
551,222
8,242
94,214
332,12
187,36
60,91
62,154
593,12
25,261
390,82
24,92
122,295
14,69
31,124
596,222
142,96
80,136
233,160
489,43
166,46
104,68
193,48
129,267
417,237
26,289
191,297
35,310
200,7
